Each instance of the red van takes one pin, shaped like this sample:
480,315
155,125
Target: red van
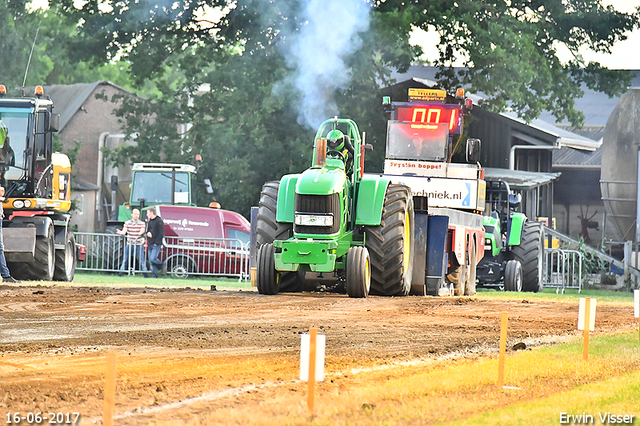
203,240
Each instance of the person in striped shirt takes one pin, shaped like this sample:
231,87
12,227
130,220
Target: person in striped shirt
134,229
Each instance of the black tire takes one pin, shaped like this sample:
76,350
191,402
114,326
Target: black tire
44,263
66,260
113,249
530,253
179,267
470,288
293,282
358,272
513,276
388,243
268,230
266,274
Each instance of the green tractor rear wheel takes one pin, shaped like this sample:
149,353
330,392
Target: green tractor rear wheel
530,253
390,244
358,272
268,230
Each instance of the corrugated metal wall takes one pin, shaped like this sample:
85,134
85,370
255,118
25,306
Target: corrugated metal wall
498,135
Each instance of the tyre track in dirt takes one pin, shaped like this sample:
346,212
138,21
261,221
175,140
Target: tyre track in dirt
176,345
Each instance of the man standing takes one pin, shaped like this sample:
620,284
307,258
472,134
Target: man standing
155,233
134,230
4,270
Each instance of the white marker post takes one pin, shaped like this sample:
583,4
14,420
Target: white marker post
312,347
586,321
636,307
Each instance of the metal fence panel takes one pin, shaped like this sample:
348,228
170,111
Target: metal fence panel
563,269
182,256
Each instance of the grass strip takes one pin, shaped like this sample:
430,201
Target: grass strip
546,381
101,279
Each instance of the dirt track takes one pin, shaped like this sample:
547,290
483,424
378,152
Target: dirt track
223,346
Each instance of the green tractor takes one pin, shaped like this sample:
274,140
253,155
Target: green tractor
333,221
514,245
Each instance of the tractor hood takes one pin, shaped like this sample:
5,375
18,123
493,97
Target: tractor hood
321,181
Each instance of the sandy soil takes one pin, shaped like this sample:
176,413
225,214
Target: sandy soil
180,352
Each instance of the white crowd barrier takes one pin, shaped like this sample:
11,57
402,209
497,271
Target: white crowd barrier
182,257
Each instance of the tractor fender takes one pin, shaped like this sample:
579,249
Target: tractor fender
370,199
514,230
61,229
286,198
40,222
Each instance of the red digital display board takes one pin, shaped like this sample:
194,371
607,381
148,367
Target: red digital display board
432,114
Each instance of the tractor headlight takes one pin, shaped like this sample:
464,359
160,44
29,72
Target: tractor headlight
27,203
313,220
18,204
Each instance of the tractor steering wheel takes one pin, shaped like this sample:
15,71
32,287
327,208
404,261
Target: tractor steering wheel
335,153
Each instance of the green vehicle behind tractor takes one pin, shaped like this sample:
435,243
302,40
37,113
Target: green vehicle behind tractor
334,220
514,246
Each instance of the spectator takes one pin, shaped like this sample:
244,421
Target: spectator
155,234
134,230
4,270
7,156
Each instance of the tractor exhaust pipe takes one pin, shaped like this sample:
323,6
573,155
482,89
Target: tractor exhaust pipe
320,156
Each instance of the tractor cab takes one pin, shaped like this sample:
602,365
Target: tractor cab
501,206
158,184
34,178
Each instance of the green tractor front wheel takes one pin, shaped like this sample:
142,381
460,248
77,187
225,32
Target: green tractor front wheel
513,276
358,272
266,275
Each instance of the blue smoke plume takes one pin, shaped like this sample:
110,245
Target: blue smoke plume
317,52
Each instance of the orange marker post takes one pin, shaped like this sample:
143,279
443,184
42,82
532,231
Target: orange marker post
313,334
109,389
503,349
587,321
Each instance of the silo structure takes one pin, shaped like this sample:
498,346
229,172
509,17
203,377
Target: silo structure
619,172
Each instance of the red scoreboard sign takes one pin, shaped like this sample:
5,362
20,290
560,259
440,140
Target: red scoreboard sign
432,114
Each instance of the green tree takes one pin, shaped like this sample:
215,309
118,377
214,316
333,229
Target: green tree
19,28
247,126
43,41
510,51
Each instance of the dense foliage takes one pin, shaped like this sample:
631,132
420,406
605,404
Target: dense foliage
244,83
